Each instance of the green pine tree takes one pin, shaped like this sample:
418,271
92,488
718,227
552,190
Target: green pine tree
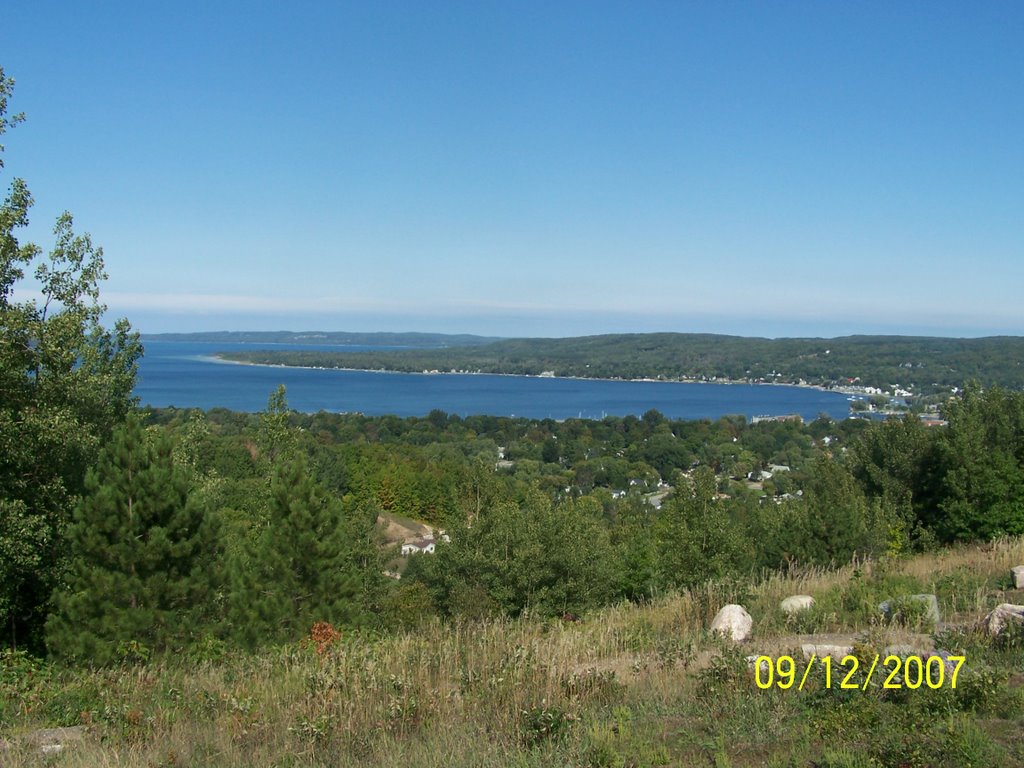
309,564
143,555
523,556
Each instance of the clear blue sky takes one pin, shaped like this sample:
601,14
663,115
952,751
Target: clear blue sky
533,168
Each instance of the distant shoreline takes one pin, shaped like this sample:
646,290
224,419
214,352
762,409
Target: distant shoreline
836,390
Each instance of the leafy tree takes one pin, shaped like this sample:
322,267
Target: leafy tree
666,452
695,537
633,539
275,437
144,554
896,462
65,382
833,521
982,456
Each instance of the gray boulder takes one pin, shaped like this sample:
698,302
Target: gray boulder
733,621
891,608
1018,577
821,650
796,603
996,622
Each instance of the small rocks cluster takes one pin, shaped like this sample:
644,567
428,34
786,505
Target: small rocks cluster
734,622
1006,615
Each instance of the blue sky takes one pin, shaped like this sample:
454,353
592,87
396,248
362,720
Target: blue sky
534,168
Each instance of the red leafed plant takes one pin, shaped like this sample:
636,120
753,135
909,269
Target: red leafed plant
323,635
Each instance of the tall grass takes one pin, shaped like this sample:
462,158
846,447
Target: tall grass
631,684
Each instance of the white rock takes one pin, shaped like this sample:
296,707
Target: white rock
837,652
734,621
999,619
764,665
1018,577
796,603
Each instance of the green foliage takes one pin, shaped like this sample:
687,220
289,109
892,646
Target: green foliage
696,539
144,556
544,722
65,381
833,521
925,365
632,536
410,605
982,458
310,563
551,559
896,461
275,438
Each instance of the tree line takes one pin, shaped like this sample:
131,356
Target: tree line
242,530
921,365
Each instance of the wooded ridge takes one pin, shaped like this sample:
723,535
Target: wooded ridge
922,365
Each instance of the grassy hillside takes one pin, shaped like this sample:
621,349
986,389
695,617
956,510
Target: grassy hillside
628,686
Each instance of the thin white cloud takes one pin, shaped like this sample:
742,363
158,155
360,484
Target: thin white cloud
222,303
809,310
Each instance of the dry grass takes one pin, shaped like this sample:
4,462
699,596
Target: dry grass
494,693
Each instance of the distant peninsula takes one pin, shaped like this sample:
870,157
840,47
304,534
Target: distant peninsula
902,366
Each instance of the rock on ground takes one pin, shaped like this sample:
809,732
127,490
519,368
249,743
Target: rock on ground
931,603
796,603
734,621
837,652
1018,577
998,620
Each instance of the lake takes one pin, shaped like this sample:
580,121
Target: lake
184,374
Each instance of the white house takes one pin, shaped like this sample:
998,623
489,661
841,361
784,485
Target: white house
425,545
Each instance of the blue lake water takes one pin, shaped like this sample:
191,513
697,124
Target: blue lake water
184,374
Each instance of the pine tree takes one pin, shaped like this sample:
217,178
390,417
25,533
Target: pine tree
143,554
517,556
309,564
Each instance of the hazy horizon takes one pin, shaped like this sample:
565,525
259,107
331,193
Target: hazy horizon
429,331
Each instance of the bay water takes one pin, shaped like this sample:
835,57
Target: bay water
187,375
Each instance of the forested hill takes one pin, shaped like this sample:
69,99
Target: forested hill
380,339
920,364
